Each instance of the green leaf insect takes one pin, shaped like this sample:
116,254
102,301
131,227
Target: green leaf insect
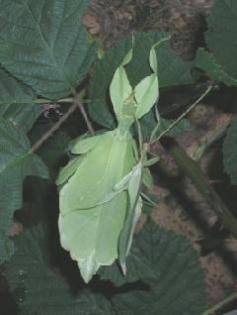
90,222
99,189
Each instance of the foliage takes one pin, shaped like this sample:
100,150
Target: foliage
40,289
206,61
171,275
32,260
147,264
40,57
17,113
17,102
220,63
41,45
16,164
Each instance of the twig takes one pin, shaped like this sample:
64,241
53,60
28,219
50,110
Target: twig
46,101
80,105
221,304
55,127
174,123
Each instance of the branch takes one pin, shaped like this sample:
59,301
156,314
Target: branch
55,127
80,105
175,122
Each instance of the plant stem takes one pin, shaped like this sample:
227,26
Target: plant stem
55,127
80,105
46,101
175,122
192,170
221,304
77,103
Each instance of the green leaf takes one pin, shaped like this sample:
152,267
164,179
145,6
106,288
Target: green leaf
41,290
43,43
15,165
172,71
170,266
230,151
94,304
221,63
17,102
206,61
222,28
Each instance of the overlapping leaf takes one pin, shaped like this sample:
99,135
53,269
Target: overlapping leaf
206,61
17,102
44,44
168,264
40,290
221,63
15,165
222,28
